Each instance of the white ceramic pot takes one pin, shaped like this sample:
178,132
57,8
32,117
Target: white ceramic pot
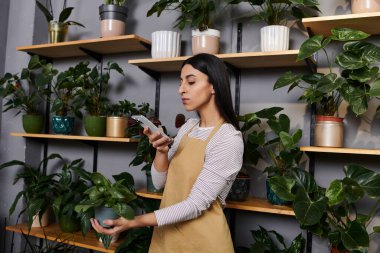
328,131
166,44
364,6
274,38
206,41
44,220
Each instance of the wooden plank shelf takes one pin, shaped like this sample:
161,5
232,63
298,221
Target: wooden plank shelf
102,46
74,137
247,60
365,22
357,151
53,233
251,204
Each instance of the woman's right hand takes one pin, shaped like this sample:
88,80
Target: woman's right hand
160,143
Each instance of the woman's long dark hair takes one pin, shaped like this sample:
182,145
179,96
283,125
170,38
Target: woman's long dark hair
217,73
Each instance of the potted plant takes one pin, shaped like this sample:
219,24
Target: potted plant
64,87
71,183
276,14
93,94
117,118
22,93
37,191
333,213
364,6
277,147
107,200
113,15
199,15
265,244
57,28
357,83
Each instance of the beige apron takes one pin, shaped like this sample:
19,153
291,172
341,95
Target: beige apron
209,233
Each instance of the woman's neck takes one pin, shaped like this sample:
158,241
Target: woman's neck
209,119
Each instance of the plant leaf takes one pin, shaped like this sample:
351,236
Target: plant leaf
308,212
282,186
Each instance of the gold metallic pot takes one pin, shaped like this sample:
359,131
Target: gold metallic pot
116,126
57,31
328,131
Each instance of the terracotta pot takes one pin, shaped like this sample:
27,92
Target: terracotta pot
364,6
206,41
328,131
116,126
274,38
113,19
335,250
44,220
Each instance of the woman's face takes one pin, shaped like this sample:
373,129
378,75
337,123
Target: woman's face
195,90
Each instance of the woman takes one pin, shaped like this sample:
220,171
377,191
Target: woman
198,170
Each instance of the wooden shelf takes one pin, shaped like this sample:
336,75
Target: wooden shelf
357,151
365,22
102,46
53,232
247,60
73,137
251,204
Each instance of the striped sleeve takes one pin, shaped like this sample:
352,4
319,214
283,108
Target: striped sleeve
223,160
159,177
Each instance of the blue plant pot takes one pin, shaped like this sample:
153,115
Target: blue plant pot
62,124
273,198
104,213
240,189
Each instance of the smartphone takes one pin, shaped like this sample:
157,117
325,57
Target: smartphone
149,124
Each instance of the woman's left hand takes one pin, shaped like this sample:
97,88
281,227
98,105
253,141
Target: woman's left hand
117,226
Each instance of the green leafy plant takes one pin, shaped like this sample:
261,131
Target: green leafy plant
65,87
278,12
265,244
38,188
63,16
279,145
278,148
196,13
94,88
333,212
69,189
21,91
122,108
115,2
103,193
359,79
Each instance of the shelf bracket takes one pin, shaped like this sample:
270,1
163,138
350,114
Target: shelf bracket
153,74
98,57
146,45
237,73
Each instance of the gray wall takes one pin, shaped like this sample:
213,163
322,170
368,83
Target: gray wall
256,93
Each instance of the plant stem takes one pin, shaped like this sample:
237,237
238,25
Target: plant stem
328,60
373,212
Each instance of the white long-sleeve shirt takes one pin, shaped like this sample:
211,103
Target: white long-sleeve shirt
223,160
